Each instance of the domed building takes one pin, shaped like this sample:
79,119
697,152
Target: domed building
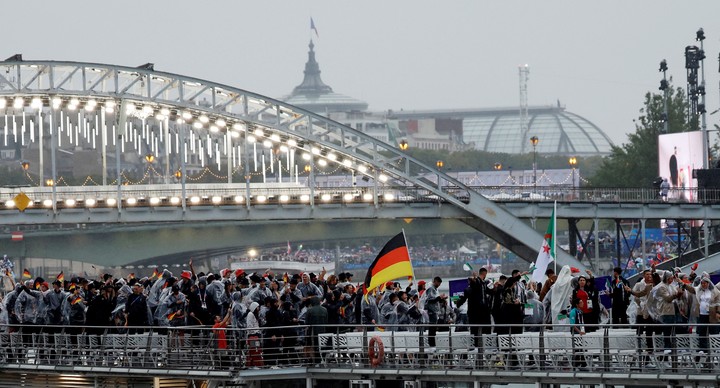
314,95
559,132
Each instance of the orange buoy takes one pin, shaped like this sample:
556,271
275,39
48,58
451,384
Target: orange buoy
376,357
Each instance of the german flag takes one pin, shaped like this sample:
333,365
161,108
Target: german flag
393,262
76,301
172,315
61,277
27,274
154,274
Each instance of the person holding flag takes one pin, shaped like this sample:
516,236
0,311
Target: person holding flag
546,255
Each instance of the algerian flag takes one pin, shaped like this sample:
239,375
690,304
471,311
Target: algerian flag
467,267
546,255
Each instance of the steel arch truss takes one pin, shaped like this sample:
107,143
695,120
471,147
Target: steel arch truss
164,114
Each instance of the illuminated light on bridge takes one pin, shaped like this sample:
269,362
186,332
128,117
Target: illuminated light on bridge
70,202
326,197
123,114
239,199
389,197
10,204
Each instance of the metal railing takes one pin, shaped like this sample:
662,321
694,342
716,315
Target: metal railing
670,349
234,194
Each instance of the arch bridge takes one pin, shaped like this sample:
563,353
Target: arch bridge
111,119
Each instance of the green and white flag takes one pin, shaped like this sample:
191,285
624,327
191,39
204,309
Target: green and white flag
467,267
547,251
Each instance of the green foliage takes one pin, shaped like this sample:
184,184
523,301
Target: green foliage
635,163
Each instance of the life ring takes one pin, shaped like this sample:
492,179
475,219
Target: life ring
376,358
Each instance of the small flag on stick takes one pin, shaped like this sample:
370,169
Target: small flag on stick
77,300
26,274
172,315
312,27
61,277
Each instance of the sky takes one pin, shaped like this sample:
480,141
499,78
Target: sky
597,58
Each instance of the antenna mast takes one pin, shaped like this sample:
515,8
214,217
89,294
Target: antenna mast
524,73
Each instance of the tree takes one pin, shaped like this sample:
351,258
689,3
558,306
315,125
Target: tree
635,163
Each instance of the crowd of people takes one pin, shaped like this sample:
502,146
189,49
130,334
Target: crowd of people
284,311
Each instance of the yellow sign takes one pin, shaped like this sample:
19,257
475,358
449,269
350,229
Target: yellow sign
408,220
22,201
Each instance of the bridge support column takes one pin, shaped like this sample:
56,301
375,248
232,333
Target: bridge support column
308,382
642,230
572,236
596,223
706,239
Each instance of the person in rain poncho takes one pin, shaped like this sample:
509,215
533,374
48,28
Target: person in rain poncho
560,295
708,300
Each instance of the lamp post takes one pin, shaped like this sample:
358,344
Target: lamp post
534,141
573,162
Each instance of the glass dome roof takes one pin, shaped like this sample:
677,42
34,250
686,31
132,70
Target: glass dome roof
558,131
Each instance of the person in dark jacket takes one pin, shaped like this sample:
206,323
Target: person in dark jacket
273,335
316,318
479,298
99,312
136,310
620,298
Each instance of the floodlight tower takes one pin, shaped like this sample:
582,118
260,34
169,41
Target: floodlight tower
664,87
524,73
700,37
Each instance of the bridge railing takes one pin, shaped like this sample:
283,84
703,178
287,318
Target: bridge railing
667,349
263,194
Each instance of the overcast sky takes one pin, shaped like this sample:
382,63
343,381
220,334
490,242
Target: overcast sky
597,58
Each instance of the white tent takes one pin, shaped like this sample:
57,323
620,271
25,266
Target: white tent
466,251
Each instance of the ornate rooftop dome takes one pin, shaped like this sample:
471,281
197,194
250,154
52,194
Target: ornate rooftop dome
314,95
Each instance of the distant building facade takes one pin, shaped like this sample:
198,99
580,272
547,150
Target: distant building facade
493,130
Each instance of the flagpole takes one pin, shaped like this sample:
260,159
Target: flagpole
408,249
554,238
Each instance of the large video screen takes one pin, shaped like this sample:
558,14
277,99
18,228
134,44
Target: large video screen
678,155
